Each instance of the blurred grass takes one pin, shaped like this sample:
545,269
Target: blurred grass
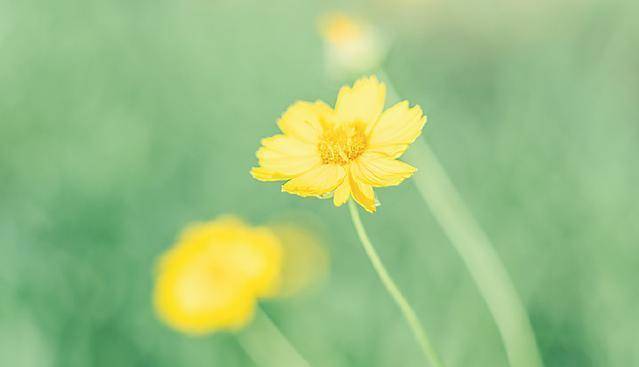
122,121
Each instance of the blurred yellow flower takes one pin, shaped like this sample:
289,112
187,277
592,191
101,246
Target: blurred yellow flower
345,151
211,279
351,45
339,28
305,258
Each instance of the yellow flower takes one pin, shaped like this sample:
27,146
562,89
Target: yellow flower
350,44
339,28
305,258
345,151
211,279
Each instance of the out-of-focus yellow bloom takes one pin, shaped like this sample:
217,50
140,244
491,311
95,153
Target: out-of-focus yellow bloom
339,28
344,151
351,45
211,279
305,258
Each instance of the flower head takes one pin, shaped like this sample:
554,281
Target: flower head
345,151
210,280
351,45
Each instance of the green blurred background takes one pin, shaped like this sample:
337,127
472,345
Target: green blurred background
122,121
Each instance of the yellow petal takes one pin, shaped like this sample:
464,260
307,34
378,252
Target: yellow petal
342,193
397,128
363,102
282,157
318,181
302,120
288,145
379,170
363,194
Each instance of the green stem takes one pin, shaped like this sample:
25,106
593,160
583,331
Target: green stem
483,263
267,346
475,249
391,287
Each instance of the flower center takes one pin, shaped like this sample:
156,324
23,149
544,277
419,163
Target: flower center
342,143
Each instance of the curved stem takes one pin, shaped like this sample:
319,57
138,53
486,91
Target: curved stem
483,263
267,346
474,247
391,287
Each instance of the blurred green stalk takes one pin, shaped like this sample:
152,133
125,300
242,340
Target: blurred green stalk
267,346
393,290
475,249
480,258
